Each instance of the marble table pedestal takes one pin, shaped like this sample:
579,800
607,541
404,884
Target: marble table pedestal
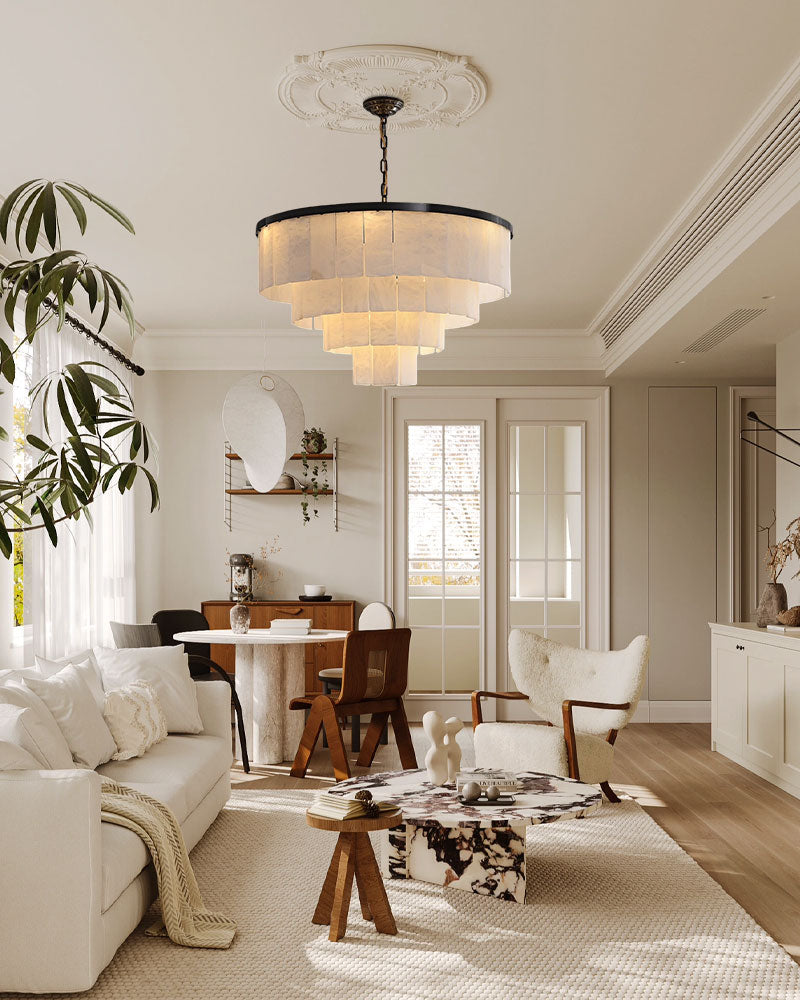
479,849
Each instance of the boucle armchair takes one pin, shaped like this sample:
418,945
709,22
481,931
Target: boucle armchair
584,697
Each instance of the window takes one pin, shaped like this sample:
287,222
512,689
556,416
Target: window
545,521
21,459
444,556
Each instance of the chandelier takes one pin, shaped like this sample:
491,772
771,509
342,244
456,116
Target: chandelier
384,280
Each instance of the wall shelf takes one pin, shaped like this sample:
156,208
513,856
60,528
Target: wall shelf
298,456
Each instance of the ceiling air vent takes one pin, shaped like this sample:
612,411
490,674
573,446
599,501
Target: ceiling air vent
774,150
733,321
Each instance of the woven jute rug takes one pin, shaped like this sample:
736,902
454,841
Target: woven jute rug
615,909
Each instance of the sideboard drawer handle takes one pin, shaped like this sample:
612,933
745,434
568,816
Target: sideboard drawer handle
289,611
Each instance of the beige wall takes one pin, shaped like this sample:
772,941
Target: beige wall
182,548
787,477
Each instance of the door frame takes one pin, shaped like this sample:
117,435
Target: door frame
736,393
600,394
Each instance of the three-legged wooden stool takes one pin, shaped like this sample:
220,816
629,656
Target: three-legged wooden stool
354,856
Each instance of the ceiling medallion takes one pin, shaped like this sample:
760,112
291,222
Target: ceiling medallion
328,88
383,280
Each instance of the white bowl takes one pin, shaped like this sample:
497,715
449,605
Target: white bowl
313,590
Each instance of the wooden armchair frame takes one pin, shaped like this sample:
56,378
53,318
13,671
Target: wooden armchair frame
569,726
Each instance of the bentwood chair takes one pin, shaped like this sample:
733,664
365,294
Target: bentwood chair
584,697
201,666
374,679
374,616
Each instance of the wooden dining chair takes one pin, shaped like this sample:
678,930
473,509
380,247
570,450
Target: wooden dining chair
374,679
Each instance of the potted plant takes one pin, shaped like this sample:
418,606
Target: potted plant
773,600
100,444
315,480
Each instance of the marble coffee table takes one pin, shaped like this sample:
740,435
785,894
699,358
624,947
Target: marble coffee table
479,849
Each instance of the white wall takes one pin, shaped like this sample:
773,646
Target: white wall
787,477
181,550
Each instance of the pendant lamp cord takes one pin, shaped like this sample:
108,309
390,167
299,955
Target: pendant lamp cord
384,161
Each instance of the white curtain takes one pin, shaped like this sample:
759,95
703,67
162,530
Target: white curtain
74,590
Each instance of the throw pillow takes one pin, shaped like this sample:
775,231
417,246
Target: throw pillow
14,758
73,707
134,715
85,664
166,668
49,739
18,730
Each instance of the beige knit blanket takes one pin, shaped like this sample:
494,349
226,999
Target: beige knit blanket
183,916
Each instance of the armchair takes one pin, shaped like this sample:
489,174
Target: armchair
584,698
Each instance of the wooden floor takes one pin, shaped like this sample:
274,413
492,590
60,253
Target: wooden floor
742,830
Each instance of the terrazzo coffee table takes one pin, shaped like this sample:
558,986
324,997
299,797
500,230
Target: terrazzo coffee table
478,849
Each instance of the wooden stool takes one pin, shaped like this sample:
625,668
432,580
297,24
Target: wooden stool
354,856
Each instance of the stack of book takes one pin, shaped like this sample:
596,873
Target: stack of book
505,781
343,807
290,626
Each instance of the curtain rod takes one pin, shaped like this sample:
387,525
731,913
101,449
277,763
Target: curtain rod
95,338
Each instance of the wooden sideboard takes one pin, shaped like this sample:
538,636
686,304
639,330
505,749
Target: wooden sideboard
323,614
755,701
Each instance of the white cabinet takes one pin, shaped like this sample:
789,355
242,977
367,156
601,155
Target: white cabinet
755,693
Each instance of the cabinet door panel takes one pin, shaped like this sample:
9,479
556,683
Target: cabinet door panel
764,723
791,721
729,682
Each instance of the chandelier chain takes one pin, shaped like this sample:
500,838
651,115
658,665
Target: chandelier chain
384,164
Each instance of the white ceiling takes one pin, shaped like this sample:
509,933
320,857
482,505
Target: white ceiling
601,120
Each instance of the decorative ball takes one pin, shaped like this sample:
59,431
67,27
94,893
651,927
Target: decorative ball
471,791
371,810
365,795
492,793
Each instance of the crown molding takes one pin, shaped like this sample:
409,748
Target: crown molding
301,350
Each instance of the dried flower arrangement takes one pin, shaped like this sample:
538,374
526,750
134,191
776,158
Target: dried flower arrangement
779,553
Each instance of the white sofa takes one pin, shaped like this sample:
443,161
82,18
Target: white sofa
72,888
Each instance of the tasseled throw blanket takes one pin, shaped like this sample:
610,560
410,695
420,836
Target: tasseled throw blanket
184,918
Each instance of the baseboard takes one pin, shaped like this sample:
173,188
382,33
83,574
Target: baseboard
672,711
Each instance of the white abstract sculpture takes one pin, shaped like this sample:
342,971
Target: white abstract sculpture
263,419
453,726
436,759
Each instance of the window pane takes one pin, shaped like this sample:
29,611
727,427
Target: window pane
425,457
461,659
564,527
564,459
462,611
526,526
526,458
564,580
560,611
569,636
425,578
425,661
424,611
425,526
462,471
525,614
462,527
526,579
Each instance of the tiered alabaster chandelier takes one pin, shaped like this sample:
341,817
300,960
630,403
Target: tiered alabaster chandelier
384,280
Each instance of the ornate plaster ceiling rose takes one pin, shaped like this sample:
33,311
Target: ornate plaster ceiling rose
328,88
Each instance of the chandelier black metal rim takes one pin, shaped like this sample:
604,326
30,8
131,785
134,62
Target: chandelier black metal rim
384,206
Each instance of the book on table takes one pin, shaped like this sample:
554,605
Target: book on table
343,806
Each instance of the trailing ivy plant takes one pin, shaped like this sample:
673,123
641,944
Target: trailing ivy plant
91,439
316,474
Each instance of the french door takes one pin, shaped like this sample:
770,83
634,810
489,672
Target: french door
497,515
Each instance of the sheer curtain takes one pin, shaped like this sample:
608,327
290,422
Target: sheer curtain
74,590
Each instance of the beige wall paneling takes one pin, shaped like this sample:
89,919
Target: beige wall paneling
682,539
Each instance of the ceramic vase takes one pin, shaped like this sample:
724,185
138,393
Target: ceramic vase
773,602
240,618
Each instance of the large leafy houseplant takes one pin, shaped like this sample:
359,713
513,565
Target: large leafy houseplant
90,438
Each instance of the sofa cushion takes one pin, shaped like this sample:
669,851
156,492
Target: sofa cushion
74,708
18,747
86,665
43,728
136,720
179,771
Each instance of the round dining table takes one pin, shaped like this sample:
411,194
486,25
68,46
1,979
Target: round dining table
270,671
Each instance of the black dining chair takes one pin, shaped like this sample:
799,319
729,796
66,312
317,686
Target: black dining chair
201,666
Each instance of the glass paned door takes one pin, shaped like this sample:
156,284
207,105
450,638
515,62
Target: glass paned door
444,555
545,511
